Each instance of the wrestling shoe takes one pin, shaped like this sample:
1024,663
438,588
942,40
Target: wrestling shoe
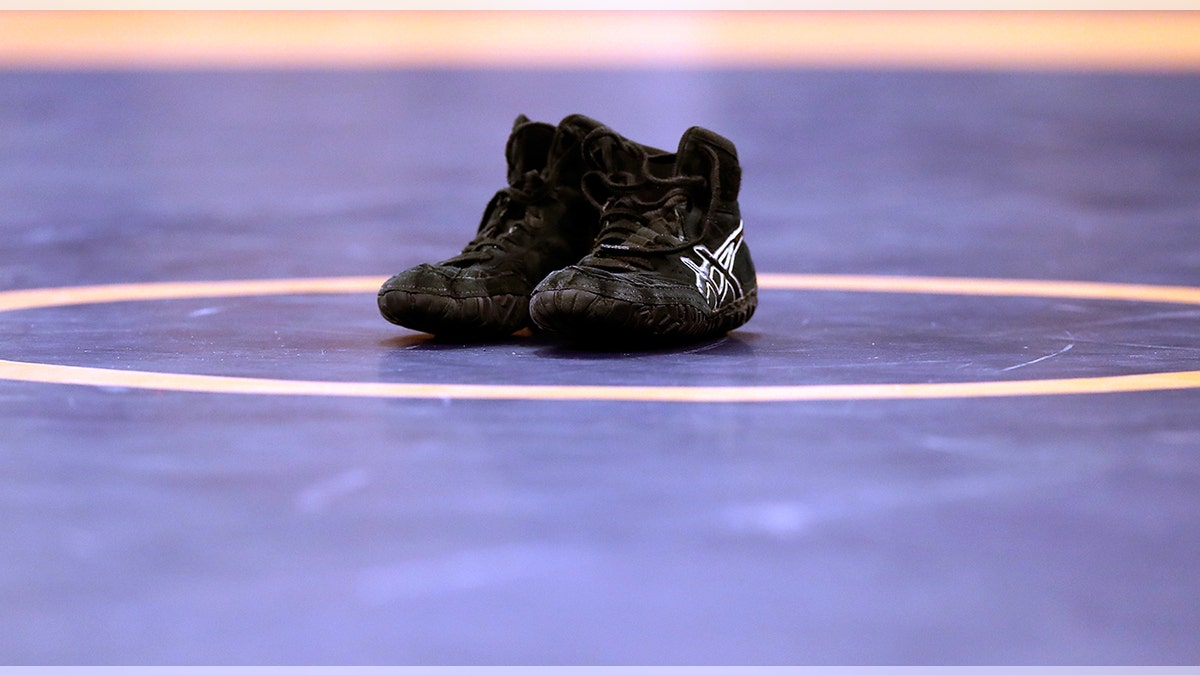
537,224
670,263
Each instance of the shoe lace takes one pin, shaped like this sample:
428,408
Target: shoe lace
634,227
505,215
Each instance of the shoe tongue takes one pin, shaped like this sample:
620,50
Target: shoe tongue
712,157
528,148
565,160
619,160
691,159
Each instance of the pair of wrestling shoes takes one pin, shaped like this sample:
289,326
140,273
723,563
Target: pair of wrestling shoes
597,239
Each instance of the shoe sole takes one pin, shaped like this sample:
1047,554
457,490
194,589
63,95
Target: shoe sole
590,318
478,318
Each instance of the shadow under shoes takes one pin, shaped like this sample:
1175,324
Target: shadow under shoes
539,223
670,264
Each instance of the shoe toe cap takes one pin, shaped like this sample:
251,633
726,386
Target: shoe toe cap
634,287
446,281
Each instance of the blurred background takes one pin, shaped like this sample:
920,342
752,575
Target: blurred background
147,527
951,39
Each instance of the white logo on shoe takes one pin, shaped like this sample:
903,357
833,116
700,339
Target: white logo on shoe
714,270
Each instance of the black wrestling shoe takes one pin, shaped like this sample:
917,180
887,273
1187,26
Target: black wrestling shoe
540,223
670,264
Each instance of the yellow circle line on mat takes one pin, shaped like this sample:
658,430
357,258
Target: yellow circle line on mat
106,377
